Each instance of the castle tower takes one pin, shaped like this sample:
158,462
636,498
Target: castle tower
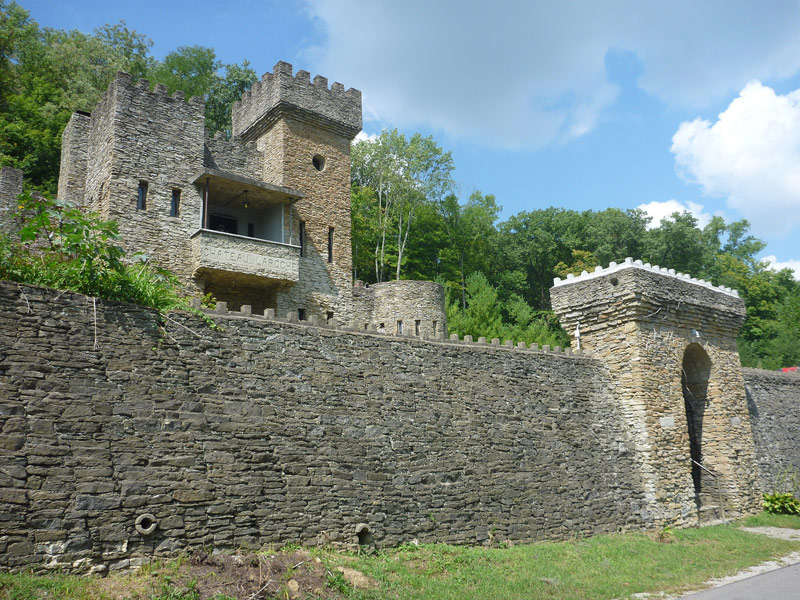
260,220
303,130
669,343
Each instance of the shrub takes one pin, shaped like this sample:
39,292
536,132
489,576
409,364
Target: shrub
781,504
63,247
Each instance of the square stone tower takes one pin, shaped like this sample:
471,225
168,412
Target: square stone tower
669,343
303,130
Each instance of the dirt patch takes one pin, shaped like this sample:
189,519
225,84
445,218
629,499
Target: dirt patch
257,576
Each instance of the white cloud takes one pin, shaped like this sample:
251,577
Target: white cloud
524,74
750,156
664,210
792,264
363,136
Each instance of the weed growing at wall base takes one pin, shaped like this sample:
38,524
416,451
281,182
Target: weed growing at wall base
60,246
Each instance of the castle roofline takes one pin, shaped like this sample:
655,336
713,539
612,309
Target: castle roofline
215,175
637,264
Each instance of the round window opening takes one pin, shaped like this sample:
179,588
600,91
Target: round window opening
613,281
318,162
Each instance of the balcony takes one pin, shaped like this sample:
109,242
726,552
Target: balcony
215,253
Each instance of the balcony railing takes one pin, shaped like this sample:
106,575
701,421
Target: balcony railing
236,254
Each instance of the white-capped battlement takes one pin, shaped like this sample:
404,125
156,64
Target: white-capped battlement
629,263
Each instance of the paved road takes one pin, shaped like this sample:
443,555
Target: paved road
782,584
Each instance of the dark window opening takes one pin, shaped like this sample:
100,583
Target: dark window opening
416,327
399,328
434,328
302,238
175,205
330,244
223,224
329,316
141,199
251,230
318,162
301,314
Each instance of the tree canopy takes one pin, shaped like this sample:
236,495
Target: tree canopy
46,74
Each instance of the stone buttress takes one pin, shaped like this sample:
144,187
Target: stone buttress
669,343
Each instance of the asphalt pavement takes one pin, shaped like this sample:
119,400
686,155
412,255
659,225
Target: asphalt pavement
780,584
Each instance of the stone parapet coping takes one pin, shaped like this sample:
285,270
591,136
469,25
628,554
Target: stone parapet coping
369,329
637,264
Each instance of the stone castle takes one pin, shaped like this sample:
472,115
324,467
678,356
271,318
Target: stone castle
125,436
261,220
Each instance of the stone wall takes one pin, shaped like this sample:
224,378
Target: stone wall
268,431
74,159
10,189
233,157
773,400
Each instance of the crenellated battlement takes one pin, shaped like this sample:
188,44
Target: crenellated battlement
637,264
124,80
369,329
282,93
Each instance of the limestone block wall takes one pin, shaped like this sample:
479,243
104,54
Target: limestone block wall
773,399
74,159
10,189
268,431
233,157
157,140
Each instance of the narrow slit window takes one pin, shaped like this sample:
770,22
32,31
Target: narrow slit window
435,324
330,244
302,238
141,199
175,205
399,328
416,327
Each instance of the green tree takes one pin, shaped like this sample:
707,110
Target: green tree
404,174
191,69
471,237
224,91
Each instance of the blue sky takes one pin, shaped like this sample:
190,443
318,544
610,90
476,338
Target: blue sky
577,104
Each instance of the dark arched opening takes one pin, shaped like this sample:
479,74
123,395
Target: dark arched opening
694,380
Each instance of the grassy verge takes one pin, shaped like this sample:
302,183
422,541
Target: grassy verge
609,566
769,520
602,567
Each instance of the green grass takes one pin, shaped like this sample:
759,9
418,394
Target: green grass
766,519
603,567
23,586
598,568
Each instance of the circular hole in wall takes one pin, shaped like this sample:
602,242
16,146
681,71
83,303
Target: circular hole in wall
146,524
318,162
613,281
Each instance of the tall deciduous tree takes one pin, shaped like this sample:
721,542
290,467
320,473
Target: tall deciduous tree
403,174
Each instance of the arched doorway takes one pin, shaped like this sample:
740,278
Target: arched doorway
694,380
